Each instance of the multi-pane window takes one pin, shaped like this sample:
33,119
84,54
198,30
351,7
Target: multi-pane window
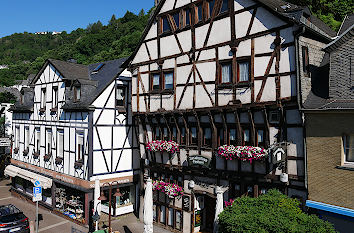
243,69
165,134
38,139
174,134
187,17
176,21
166,27
157,133
348,141
155,82
220,136
194,135
224,6
260,137
120,97
27,138
55,97
43,98
60,143
226,72
80,145
168,83
49,141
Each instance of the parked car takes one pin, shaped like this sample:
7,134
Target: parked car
13,220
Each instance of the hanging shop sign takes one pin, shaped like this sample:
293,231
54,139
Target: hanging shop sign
199,160
197,218
186,203
5,142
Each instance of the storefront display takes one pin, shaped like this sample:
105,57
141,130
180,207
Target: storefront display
123,204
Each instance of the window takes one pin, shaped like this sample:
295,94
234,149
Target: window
305,60
232,136
348,141
55,97
194,135
27,137
260,137
21,97
17,142
176,20
221,137
246,137
165,134
120,98
80,146
178,220
243,71
77,93
157,134
274,117
61,143
98,68
43,98
174,134
199,13
38,139
168,80
210,5
183,136
187,17
165,24
207,136
170,216
162,214
155,82
49,141
226,72
224,6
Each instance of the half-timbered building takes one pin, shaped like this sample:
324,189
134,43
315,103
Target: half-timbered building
71,127
211,74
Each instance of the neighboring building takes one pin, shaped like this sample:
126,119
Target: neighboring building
329,114
217,72
71,127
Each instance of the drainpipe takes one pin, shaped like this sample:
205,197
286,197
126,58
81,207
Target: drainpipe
300,32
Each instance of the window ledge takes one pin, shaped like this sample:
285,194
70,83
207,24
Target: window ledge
346,167
167,92
225,86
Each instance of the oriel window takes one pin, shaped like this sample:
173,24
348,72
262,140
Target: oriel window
243,71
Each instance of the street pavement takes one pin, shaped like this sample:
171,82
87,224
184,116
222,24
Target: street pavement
53,223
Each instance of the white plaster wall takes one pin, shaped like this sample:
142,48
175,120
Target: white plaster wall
242,21
152,46
240,4
221,31
152,32
141,55
265,20
168,46
185,39
244,95
183,73
200,33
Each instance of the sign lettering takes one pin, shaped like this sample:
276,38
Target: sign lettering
199,160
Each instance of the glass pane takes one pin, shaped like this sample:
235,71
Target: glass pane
243,71
120,93
194,132
246,135
176,19
200,12
165,133
174,132
165,25
178,220
156,82
162,214
225,6
157,133
350,149
154,212
221,136
168,80
170,217
188,19
207,133
226,73
78,93
61,144
260,134
211,7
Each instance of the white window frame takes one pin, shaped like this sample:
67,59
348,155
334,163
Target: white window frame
18,135
60,143
38,140
49,135
344,160
27,137
80,145
43,97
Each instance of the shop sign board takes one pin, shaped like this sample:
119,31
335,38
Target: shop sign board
198,218
199,160
5,142
186,203
37,194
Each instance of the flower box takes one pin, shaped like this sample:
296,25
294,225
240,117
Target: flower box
170,189
54,110
243,153
36,155
47,157
58,160
161,146
42,110
16,150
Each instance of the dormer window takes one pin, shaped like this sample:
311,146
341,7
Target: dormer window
77,93
120,98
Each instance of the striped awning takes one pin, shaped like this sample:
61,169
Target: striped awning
14,171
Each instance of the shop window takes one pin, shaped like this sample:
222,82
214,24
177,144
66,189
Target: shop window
60,143
77,93
305,60
207,136
55,97
183,135
246,137
162,214
348,145
154,215
221,137
233,137
120,96
166,27
174,134
194,136
165,134
49,141
155,82
178,220
126,198
38,139
80,146
170,217
226,72
43,98
210,6
70,202
199,12
243,71
224,6
168,80
27,138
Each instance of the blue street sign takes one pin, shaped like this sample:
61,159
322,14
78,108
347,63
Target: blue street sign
37,191
37,183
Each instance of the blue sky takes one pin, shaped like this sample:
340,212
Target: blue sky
62,15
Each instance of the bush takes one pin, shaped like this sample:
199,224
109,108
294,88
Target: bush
271,212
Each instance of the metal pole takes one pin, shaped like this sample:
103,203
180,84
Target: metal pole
37,222
110,206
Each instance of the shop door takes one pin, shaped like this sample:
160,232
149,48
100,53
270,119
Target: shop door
210,204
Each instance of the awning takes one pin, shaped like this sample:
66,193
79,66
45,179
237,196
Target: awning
330,208
13,171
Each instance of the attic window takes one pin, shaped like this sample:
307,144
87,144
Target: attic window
77,93
98,68
165,25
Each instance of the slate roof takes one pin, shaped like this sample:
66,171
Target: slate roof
314,102
69,70
347,23
345,36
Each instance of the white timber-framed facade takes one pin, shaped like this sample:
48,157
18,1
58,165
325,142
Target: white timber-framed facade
73,127
209,73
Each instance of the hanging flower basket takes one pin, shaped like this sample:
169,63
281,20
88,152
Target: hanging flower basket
229,203
243,153
171,190
160,145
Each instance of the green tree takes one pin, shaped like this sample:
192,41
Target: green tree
271,212
7,97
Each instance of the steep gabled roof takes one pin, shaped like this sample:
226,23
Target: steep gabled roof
70,70
347,23
344,37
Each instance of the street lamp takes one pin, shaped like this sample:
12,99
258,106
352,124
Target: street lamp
104,198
